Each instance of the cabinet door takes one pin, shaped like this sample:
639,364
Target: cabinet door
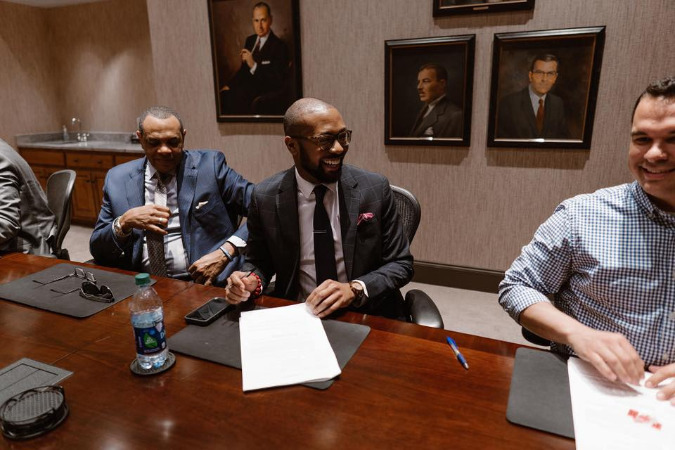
84,204
97,182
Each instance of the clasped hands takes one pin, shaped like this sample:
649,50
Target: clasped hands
327,298
616,359
155,218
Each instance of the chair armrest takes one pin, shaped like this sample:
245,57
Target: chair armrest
535,338
422,310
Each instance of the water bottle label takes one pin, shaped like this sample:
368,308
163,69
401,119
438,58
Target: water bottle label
150,340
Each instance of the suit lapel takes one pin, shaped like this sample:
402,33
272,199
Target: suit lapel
135,186
432,118
287,217
135,190
349,213
186,180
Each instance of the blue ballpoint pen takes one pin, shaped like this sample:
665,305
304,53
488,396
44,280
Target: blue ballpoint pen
458,354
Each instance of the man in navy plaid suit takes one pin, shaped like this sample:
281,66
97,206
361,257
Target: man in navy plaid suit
369,252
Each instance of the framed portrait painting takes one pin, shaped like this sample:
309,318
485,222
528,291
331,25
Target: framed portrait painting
256,58
544,87
428,90
452,7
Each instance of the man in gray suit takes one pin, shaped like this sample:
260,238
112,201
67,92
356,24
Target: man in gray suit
329,232
26,223
439,117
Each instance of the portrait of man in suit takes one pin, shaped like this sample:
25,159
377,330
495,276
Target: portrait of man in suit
261,84
429,89
534,112
439,117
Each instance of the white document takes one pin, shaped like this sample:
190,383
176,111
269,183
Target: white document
283,346
615,415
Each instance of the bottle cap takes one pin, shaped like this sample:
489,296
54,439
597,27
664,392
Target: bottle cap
142,279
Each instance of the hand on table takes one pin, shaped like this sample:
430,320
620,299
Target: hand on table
328,297
148,217
610,353
661,373
239,287
208,267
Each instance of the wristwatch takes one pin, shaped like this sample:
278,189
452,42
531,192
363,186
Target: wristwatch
117,228
357,289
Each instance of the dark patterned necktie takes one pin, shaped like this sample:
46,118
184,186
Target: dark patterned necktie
155,241
324,246
256,49
540,116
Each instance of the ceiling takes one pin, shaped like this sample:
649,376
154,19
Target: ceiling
51,3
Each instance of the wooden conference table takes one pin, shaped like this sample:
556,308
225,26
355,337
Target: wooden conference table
402,389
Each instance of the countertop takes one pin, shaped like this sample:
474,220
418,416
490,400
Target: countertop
97,141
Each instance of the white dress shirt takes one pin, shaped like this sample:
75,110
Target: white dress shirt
306,203
534,98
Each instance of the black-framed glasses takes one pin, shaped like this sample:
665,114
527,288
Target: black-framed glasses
326,141
79,273
542,74
94,292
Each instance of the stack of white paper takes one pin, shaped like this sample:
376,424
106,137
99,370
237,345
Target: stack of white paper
614,415
283,346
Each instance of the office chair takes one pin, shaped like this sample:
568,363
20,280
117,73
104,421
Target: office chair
420,309
534,338
59,198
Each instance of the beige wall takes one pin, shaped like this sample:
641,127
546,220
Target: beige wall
27,87
479,205
90,61
103,63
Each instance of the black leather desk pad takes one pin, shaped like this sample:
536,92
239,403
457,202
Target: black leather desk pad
219,342
32,293
540,392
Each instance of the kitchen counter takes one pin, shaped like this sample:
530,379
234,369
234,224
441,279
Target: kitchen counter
49,152
97,142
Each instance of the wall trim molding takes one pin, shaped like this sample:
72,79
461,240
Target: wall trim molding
471,278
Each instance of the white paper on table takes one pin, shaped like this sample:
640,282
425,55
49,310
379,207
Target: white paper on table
283,346
615,415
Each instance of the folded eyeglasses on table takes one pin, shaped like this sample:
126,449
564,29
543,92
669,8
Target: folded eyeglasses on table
89,288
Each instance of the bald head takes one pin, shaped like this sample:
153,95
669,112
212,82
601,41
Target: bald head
298,115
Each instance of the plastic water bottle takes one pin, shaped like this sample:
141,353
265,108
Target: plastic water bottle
147,318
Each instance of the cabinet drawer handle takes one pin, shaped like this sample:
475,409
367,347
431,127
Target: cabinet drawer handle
76,160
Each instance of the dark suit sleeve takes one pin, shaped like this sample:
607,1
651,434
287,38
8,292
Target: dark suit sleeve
396,267
258,257
235,191
104,245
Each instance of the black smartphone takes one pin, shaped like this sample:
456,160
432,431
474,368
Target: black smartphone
208,312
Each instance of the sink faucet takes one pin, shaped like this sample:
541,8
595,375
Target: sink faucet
81,137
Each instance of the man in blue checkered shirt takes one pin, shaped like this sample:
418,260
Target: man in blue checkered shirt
608,260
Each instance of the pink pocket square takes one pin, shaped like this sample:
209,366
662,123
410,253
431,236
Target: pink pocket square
364,217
